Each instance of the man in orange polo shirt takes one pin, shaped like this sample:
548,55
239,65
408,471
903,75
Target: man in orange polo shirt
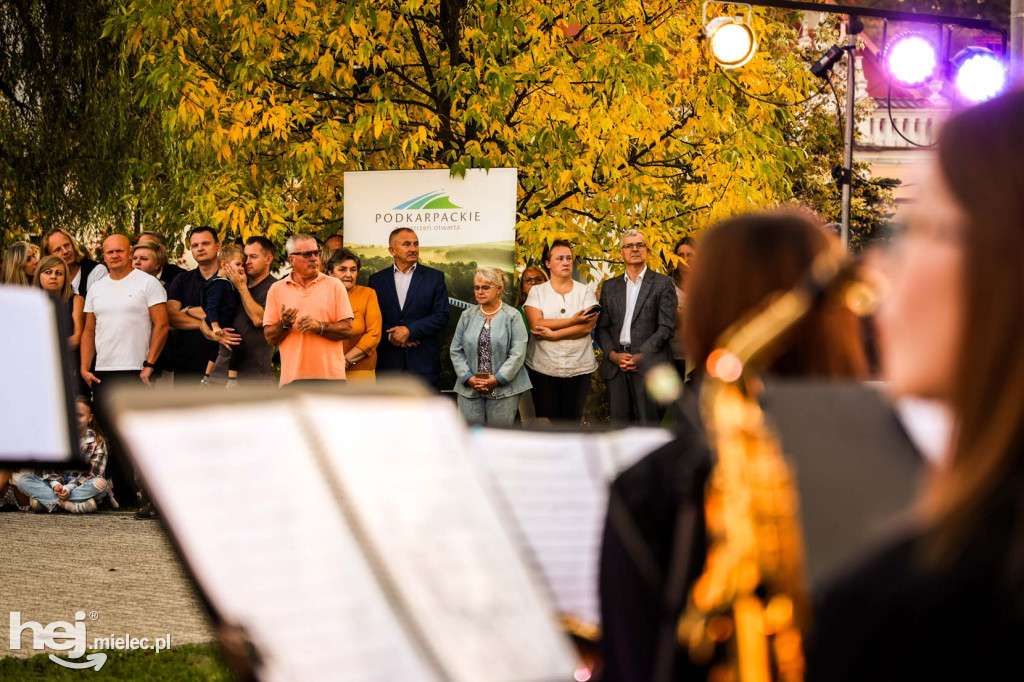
308,314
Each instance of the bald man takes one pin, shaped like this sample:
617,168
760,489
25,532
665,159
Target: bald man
125,320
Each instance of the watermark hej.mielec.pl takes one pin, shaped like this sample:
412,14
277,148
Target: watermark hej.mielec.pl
72,638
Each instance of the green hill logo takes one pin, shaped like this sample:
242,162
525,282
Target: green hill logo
436,199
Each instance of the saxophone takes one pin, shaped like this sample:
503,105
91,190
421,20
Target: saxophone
751,597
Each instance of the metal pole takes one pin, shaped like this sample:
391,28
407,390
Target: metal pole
851,87
1017,42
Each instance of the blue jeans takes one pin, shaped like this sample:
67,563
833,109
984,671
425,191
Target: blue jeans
35,487
489,411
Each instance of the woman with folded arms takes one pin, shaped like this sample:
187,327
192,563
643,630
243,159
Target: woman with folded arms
560,358
488,351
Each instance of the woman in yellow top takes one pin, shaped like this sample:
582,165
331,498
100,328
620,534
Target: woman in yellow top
361,346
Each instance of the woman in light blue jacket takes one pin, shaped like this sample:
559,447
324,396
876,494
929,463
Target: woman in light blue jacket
488,351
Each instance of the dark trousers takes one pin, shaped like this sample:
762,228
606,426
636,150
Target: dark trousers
628,401
120,472
560,399
433,380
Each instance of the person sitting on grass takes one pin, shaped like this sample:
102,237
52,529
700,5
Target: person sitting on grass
78,492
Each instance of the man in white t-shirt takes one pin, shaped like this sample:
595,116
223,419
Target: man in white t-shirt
125,320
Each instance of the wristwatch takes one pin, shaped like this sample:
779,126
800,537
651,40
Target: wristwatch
147,363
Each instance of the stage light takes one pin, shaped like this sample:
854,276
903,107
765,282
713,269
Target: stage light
911,59
731,41
978,74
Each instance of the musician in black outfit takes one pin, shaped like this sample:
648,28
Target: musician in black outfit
654,543
946,600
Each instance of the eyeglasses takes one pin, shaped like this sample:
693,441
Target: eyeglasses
533,280
486,287
639,246
305,254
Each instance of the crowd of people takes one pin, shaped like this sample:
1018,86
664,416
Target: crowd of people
950,331
138,317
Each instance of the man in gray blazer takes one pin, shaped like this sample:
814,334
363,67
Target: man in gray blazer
634,329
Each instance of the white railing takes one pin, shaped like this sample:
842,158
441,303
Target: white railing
920,126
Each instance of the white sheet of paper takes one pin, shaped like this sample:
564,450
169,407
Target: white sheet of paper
244,496
35,413
626,447
556,485
427,507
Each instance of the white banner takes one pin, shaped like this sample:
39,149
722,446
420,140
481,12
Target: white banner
470,219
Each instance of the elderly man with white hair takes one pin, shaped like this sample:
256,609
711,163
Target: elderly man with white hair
308,314
637,321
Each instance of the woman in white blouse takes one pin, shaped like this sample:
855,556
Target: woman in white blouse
560,358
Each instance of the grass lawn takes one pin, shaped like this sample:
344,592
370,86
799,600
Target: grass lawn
187,662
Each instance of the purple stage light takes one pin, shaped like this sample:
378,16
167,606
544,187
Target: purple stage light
911,59
978,74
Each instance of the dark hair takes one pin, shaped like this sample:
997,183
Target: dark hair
265,244
155,236
339,257
204,228
746,259
980,152
546,256
397,231
685,241
92,411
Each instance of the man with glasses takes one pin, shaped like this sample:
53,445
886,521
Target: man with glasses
308,314
413,302
637,321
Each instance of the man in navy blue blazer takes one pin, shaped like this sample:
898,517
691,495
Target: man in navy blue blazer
413,301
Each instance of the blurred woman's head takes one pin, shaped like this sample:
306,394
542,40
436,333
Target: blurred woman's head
531,277
52,276
488,286
746,259
150,256
686,249
20,262
558,259
344,265
954,324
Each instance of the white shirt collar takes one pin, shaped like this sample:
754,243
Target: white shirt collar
639,278
394,268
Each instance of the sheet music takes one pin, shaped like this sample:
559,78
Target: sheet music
242,492
556,485
428,511
626,447
35,422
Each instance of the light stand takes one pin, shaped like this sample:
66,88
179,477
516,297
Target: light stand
854,27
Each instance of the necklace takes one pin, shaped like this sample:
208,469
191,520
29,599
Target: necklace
494,312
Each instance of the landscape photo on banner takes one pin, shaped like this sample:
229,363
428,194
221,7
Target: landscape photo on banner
462,223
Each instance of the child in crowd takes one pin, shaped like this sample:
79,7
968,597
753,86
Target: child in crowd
78,492
220,302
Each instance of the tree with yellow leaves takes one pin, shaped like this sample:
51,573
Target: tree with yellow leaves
610,109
